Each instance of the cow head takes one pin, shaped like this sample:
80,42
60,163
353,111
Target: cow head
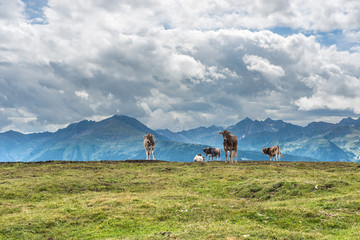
264,150
149,137
205,150
226,134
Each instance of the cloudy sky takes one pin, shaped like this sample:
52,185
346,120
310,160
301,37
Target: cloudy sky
177,64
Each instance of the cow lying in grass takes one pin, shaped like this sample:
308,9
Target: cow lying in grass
212,152
199,158
273,152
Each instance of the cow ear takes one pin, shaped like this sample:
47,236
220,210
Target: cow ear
220,133
230,132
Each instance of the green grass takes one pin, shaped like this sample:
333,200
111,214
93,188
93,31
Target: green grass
169,200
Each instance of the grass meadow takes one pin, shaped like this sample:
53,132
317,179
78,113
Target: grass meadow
173,200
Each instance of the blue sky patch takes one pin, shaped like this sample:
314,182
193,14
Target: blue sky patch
34,10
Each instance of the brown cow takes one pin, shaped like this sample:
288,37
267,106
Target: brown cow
212,152
230,145
149,145
273,152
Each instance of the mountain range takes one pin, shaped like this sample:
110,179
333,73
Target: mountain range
319,141
121,137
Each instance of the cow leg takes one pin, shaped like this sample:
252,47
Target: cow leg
231,156
153,153
235,153
147,154
226,156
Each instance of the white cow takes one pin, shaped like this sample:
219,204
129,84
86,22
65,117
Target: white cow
199,158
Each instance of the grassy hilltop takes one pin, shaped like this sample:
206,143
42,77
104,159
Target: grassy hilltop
172,200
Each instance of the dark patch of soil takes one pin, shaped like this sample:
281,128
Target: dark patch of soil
143,161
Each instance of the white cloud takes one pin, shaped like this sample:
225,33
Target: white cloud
256,63
334,90
323,101
82,94
168,61
12,118
11,10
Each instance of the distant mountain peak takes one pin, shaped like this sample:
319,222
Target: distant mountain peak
12,133
350,121
118,116
269,120
79,124
247,119
124,119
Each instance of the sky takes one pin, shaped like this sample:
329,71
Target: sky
177,64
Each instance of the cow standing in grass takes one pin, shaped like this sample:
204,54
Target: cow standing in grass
212,152
230,145
273,152
149,145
